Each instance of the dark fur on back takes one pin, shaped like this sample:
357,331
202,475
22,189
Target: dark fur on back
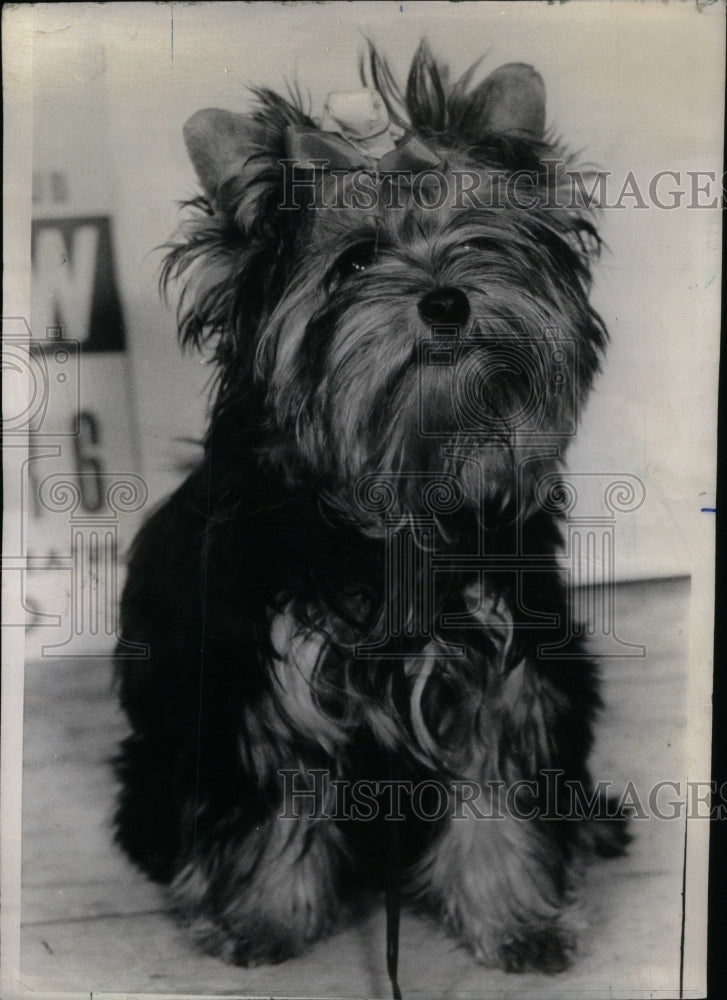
260,581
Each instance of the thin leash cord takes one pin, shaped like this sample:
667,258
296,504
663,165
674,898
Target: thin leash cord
393,905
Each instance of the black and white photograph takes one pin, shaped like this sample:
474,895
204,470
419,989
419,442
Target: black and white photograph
360,379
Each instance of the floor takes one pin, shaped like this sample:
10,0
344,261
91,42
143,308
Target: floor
90,923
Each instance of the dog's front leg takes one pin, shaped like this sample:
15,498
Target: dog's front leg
260,893
500,884
501,871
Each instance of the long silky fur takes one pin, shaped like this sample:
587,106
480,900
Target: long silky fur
258,581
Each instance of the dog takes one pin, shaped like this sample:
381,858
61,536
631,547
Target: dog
356,589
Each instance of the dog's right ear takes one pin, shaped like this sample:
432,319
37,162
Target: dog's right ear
219,144
226,147
236,242
238,159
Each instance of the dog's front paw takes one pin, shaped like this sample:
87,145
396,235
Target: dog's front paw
540,949
253,942
259,899
611,837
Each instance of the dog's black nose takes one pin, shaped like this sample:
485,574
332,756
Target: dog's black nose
445,305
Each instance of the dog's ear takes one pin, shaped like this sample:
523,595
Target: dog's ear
220,145
237,242
511,100
236,158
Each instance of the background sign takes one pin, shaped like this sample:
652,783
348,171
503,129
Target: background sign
83,491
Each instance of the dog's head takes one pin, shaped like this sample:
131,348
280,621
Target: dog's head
397,293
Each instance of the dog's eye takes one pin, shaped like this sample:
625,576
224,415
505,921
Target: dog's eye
355,261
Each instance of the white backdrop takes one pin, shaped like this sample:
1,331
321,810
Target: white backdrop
637,87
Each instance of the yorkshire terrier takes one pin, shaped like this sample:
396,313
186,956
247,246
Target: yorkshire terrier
356,592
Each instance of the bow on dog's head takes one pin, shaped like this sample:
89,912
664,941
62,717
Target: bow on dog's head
364,127
246,243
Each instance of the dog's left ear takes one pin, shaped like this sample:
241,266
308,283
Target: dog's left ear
512,100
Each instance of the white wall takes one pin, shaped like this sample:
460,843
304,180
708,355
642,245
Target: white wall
636,86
